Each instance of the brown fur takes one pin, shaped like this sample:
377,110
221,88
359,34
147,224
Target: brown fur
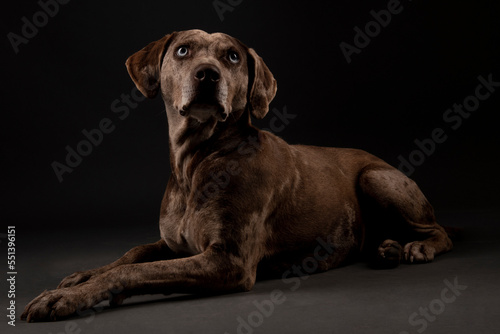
241,200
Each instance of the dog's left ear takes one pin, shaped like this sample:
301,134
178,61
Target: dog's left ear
262,85
144,66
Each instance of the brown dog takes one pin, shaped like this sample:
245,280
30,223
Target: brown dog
241,200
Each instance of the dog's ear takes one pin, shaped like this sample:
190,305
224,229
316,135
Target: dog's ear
262,85
144,66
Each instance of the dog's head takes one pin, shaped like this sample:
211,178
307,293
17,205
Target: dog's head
203,75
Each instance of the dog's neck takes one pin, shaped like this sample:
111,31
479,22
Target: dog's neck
191,141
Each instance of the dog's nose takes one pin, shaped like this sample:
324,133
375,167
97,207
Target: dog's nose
207,73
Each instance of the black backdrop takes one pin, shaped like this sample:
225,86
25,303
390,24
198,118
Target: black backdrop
395,90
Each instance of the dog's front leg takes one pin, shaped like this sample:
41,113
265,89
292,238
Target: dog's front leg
144,253
211,271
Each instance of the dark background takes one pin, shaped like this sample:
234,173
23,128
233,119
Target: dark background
395,91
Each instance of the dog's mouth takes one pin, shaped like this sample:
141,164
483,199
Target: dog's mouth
203,110
204,103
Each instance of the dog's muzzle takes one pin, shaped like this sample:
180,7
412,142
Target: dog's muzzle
204,99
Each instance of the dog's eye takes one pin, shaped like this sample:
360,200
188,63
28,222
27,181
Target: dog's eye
182,51
233,57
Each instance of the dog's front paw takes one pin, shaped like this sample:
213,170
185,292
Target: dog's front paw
76,278
52,305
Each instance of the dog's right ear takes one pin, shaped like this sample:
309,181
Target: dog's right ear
144,66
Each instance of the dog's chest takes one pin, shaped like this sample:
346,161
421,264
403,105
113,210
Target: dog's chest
183,231
179,235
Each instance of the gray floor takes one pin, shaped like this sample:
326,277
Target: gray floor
352,299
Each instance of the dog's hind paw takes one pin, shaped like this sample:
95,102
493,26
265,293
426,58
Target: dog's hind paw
389,254
419,252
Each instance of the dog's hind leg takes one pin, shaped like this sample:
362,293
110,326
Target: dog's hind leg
412,221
